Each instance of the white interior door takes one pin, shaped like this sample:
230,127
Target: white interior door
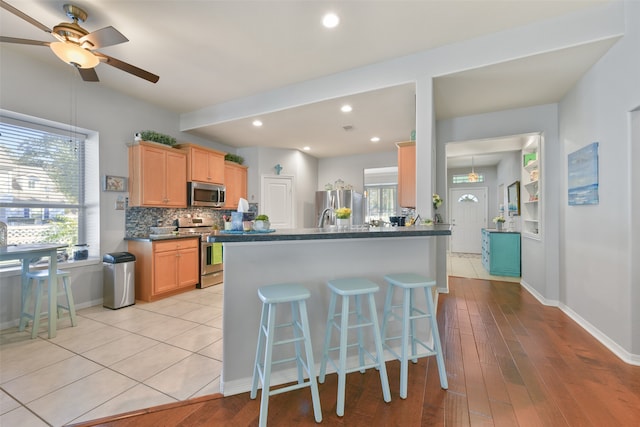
277,200
468,215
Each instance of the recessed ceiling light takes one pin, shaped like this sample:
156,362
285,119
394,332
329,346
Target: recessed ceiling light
375,139
306,148
257,123
330,20
346,108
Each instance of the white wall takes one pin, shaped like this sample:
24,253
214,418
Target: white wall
540,265
58,94
634,251
596,245
350,169
301,166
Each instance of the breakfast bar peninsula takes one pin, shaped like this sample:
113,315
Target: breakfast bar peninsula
309,257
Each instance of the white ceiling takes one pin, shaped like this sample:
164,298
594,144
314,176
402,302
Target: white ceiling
210,52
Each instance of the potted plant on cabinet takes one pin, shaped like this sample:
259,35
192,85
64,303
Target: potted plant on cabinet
499,221
153,136
261,223
342,217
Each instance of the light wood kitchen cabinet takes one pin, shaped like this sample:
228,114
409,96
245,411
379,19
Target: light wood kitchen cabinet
157,176
407,174
235,180
204,164
166,267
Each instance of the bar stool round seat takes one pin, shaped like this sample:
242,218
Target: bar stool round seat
346,288
408,313
39,278
271,296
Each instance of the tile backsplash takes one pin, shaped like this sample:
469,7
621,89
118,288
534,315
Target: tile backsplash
138,220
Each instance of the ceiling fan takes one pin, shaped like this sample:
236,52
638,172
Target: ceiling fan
77,46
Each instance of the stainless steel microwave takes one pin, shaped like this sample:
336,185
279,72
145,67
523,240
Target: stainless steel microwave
209,195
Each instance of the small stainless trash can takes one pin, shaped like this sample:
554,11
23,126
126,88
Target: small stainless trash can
118,280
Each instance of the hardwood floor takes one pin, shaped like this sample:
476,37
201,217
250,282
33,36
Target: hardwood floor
510,362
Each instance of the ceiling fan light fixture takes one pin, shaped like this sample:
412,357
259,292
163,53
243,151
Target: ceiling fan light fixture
74,55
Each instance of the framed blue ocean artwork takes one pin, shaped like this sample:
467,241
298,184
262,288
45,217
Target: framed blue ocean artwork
583,176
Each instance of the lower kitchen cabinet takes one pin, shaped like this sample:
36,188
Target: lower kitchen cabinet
166,267
501,252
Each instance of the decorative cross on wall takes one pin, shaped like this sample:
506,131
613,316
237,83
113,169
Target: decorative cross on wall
278,168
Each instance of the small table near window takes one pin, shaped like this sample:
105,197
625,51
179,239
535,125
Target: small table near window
26,253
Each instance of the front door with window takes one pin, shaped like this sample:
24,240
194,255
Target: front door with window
468,215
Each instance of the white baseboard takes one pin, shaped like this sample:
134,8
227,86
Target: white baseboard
538,296
615,348
627,357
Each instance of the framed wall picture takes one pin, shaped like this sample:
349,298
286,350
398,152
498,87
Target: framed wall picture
583,176
114,183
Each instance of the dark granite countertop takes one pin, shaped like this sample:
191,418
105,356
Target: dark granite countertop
332,233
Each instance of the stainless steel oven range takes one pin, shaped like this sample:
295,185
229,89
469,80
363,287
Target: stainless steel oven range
210,253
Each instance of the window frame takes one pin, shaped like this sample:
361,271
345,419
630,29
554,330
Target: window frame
87,143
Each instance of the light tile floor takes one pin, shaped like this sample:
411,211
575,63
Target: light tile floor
470,265
113,361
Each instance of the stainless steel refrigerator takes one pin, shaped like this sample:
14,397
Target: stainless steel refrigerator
335,199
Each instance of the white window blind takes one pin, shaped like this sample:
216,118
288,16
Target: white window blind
41,183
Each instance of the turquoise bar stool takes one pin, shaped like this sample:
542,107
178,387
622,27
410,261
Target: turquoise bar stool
271,296
357,287
408,314
40,279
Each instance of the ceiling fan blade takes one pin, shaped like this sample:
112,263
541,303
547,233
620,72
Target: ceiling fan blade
88,74
131,69
107,36
4,39
20,14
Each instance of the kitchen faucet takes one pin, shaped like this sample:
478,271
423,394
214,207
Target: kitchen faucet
323,216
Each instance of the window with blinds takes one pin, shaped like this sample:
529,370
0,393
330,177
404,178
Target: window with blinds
381,202
41,183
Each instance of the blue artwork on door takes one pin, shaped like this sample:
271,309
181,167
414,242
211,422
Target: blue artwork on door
583,176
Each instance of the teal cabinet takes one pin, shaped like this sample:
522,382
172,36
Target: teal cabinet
501,252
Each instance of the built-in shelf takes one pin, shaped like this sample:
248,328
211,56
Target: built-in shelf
531,165
531,194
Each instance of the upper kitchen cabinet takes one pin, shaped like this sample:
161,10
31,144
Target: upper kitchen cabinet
157,176
407,174
204,164
235,179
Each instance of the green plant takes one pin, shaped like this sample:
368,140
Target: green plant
498,219
437,201
234,158
262,217
150,135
